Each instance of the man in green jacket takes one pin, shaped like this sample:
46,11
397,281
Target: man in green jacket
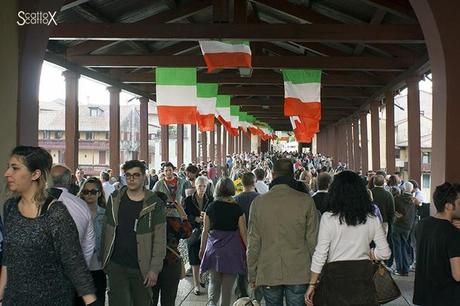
134,239
283,230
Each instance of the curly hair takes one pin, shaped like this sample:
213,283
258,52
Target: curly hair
348,199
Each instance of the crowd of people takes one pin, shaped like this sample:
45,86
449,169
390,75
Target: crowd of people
293,228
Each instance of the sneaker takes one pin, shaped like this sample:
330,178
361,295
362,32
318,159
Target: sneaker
401,274
412,268
189,272
196,291
203,285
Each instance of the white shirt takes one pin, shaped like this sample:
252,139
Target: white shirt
81,215
108,189
261,187
338,242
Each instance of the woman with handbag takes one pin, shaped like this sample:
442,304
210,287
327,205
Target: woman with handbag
43,262
342,255
177,227
195,205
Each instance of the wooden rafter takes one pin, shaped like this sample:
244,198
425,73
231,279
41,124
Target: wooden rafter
258,62
351,33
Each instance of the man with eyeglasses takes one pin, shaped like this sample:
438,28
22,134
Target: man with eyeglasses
134,243
437,277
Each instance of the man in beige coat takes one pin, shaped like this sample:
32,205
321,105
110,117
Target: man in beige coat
283,229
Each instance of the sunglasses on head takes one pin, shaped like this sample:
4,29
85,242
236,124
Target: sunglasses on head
92,191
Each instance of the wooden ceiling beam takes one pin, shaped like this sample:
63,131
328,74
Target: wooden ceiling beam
177,48
68,4
351,33
171,15
279,91
394,7
258,62
260,77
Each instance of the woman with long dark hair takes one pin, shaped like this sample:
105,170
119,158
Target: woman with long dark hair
92,193
43,262
342,255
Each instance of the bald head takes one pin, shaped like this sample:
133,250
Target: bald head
61,176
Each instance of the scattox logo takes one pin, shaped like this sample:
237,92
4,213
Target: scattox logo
43,18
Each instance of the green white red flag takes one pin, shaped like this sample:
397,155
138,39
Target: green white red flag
302,93
176,95
206,106
226,54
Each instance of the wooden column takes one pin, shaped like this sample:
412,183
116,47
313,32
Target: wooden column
164,131
144,130
180,144
194,142
364,141
375,130
71,119
390,132
114,138
219,157
356,148
437,20
231,147
224,145
413,118
350,149
212,146
204,147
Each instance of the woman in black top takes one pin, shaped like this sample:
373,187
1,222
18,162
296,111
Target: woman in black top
195,205
223,243
42,263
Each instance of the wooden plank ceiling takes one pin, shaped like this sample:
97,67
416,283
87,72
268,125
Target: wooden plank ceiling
364,47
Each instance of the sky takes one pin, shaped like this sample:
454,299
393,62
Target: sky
52,87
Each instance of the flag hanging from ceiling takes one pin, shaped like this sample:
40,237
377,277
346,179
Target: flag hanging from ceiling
206,108
223,111
235,119
304,128
302,93
226,54
176,95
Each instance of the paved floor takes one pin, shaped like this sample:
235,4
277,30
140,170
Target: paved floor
186,297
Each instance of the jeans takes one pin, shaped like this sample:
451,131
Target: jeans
389,261
220,283
295,295
401,245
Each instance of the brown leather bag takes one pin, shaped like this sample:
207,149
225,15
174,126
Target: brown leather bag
386,288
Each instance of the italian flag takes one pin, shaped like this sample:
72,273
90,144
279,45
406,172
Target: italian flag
234,119
206,108
302,93
304,128
226,54
223,112
176,95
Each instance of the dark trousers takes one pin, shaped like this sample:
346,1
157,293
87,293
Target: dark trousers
100,282
241,289
401,246
167,284
389,262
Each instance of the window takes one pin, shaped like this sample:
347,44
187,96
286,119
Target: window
397,153
426,158
95,112
58,135
426,181
46,134
88,135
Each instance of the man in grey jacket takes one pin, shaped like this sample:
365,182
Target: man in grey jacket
283,229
